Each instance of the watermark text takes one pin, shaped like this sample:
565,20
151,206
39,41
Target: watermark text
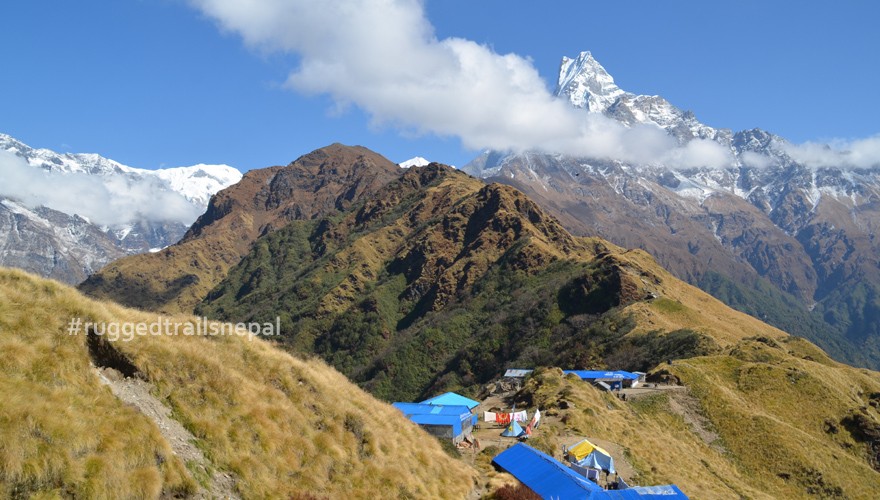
127,331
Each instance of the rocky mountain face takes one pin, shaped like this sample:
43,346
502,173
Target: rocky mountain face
439,281
54,244
791,244
53,226
179,277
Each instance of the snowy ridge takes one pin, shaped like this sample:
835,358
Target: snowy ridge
763,172
20,209
418,161
65,216
199,182
196,183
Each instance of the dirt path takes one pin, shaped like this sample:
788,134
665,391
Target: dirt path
136,393
649,389
682,403
687,406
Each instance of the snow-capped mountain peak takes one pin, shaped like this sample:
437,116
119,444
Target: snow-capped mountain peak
418,161
586,83
199,182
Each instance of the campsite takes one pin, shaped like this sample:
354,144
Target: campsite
495,427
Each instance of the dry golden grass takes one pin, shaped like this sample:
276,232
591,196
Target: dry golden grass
786,406
61,432
747,430
685,306
281,425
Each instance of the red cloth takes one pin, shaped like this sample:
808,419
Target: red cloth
502,418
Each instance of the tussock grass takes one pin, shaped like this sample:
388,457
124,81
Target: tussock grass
282,426
61,432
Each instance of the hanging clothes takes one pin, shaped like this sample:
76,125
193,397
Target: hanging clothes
536,418
488,416
502,418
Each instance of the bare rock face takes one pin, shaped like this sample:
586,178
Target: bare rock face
53,244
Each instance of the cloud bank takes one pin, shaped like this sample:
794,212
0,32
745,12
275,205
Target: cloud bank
860,153
106,200
384,57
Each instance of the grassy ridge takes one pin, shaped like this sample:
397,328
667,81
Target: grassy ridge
772,425
281,426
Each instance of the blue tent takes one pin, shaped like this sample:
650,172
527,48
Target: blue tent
452,399
513,430
543,474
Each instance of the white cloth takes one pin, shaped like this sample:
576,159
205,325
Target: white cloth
520,416
488,416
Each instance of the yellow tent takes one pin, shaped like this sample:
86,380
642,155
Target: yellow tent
589,455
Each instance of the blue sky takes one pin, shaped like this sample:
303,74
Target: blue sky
160,84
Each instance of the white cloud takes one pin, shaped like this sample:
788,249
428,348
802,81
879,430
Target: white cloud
384,57
860,153
755,160
106,199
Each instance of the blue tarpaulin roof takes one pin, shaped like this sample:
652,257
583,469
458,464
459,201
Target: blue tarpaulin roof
667,492
424,409
423,414
451,399
604,375
543,474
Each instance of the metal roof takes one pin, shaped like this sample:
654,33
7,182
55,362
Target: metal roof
543,474
462,412
452,399
603,375
584,374
551,479
666,492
